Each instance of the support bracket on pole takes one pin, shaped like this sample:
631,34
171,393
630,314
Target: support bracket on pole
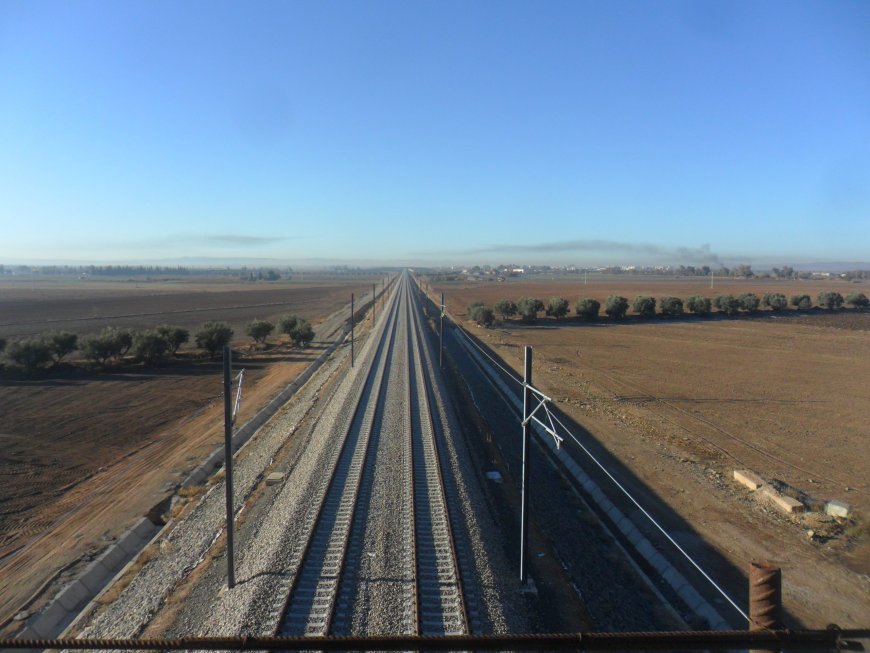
238,403
543,400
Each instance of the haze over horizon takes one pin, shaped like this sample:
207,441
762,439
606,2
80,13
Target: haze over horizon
436,133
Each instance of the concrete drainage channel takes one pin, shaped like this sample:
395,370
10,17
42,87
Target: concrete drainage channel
99,575
616,517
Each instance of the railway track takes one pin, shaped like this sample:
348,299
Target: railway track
390,441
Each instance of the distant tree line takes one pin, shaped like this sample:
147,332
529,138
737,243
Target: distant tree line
151,347
616,307
244,273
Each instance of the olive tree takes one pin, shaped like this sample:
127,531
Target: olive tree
558,307
749,302
122,338
259,330
287,323
775,301
801,302
30,353
728,304
301,333
213,336
482,314
671,306
150,347
506,308
644,306
699,305
109,344
830,299
175,337
61,344
587,308
528,309
473,308
616,307
857,299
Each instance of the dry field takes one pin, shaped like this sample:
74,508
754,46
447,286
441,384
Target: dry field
28,307
684,402
84,454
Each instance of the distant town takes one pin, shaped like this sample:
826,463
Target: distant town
503,272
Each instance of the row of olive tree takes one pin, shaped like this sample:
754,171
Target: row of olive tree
616,307
151,346
298,329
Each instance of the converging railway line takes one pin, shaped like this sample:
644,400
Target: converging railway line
382,523
389,443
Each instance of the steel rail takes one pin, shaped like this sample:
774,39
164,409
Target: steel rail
459,539
410,503
324,595
832,639
439,506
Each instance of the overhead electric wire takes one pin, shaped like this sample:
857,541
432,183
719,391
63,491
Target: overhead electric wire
615,482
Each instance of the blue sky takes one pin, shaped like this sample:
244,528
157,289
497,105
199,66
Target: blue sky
578,132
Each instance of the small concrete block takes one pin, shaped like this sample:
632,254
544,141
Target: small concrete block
274,478
784,503
113,558
674,578
73,596
40,629
748,478
95,577
837,508
131,543
28,633
645,549
144,528
49,620
659,563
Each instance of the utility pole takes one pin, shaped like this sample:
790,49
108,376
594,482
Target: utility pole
374,306
351,329
711,277
228,461
441,336
524,486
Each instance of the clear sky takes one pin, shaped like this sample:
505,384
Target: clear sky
580,132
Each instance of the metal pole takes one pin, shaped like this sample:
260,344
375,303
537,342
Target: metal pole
441,336
351,329
524,483
228,459
374,306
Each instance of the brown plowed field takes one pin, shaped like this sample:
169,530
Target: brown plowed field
683,402
85,307
83,455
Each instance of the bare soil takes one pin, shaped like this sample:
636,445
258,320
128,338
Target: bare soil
30,307
684,402
85,454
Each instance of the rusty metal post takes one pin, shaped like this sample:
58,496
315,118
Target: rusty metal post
765,597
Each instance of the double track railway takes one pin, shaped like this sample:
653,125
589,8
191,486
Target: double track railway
393,437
